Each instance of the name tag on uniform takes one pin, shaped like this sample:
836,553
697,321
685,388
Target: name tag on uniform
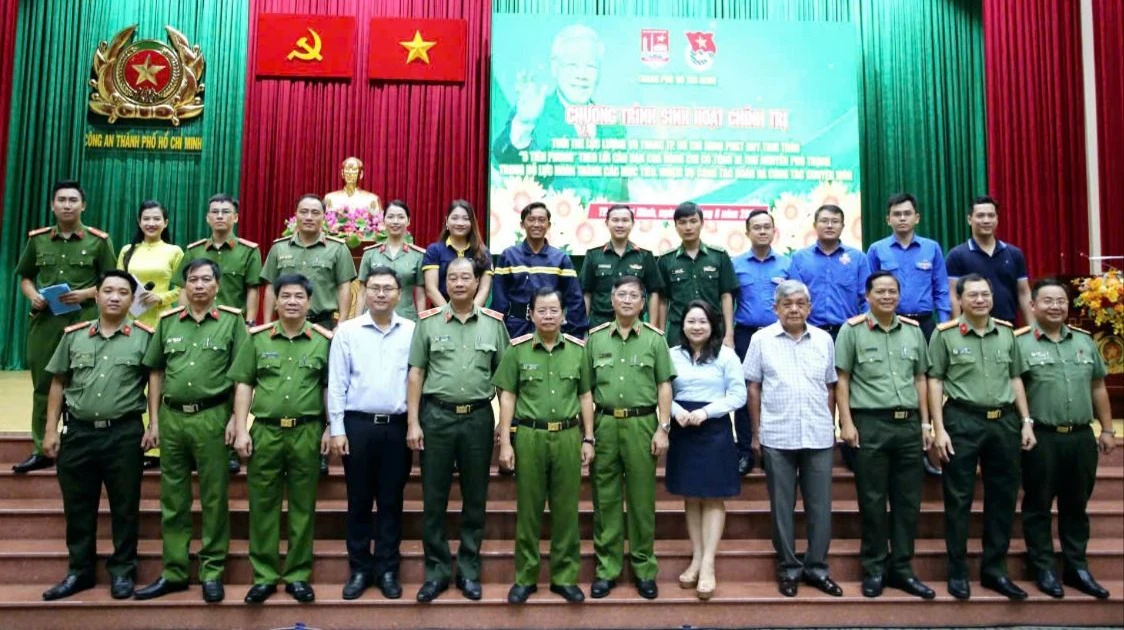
679,271
175,339
605,355
441,338
956,352
709,268
924,265
530,367
269,355
636,267
284,258
604,266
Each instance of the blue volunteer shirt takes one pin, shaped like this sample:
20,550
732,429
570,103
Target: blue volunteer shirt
1003,269
520,272
758,280
919,268
837,282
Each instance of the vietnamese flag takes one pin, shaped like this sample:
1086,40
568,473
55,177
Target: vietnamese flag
409,49
305,46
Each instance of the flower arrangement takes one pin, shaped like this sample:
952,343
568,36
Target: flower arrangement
354,225
1101,298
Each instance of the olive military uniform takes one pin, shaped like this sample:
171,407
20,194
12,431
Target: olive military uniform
459,359
626,377
707,277
326,263
288,375
195,357
407,265
101,440
239,262
49,259
1058,377
885,410
601,269
981,422
547,384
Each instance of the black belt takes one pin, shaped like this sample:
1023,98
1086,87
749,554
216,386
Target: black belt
199,405
1069,428
626,412
991,413
461,409
831,329
896,413
560,425
289,423
520,310
320,317
375,418
69,419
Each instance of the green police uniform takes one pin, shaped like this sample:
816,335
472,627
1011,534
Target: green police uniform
603,266
195,357
407,265
327,264
459,359
885,409
707,276
547,384
980,419
626,378
239,262
288,376
1058,377
49,259
104,398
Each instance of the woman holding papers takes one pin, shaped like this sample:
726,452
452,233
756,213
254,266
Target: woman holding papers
152,260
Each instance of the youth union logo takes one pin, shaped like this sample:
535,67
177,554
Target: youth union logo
700,50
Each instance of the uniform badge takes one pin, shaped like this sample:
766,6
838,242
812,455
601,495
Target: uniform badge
636,267
956,352
604,266
175,339
709,268
678,271
269,355
442,338
529,367
605,355
845,259
924,265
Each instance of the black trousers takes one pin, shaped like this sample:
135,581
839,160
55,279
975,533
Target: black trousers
742,427
376,473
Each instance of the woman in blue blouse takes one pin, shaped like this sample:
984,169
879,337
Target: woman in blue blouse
702,461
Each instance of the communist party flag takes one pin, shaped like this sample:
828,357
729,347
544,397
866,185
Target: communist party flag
305,46
409,49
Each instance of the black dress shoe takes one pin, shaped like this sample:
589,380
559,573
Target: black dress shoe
235,464
151,463
159,588
571,593
431,589
1083,581
601,588
213,592
824,584
70,585
872,586
470,588
1004,586
519,593
787,587
913,586
259,593
323,465
389,586
356,585
959,588
745,465
33,462
1047,582
121,587
647,589
301,591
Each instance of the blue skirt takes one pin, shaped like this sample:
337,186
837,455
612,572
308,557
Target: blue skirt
702,461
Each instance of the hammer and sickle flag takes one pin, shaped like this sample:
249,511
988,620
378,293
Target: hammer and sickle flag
308,46
415,49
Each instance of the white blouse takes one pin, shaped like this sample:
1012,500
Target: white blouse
720,381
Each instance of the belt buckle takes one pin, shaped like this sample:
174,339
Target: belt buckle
901,414
288,423
553,426
620,413
102,424
381,418
993,414
192,408
1065,429
462,409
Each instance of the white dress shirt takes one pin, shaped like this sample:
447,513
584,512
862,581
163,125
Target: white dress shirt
718,381
368,368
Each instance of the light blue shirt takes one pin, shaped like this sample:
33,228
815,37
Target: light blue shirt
367,368
719,380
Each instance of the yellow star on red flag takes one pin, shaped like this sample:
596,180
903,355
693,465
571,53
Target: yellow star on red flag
418,48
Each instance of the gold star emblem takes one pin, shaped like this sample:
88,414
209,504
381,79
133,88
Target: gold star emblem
418,48
147,71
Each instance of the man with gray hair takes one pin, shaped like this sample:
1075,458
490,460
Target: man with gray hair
790,373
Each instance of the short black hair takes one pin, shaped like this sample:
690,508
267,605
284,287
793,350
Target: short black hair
312,196
1042,283
687,209
117,273
531,207
545,292
758,212
293,279
477,268
972,277
830,208
899,198
620,206
68,183
223,198
397,203
628,279
202,262
881,273
981,200
383,270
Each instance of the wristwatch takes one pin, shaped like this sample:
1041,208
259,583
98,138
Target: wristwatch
666,427
1028,420
590,441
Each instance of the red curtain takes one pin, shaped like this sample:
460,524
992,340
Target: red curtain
424,144
9,15
1035,130
1108,32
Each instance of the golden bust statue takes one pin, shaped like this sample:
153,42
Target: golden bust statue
351,195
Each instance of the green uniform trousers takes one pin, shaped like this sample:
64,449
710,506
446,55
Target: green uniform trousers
44,332
467,441
996,446
548,464
89,457
186,439
284,461
1062,465
888,466
623,463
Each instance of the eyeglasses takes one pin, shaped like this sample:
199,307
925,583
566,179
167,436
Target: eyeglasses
382,289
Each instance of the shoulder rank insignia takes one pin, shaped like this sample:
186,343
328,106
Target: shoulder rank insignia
230,309
73,327
370,247
145,327
1022,331
197,243
943,326
911,322
415,248
1003,322
262,328
1081,330
579,342
171,311
600,327
283,238
858,319
249,244
493,314
42,230
323,331
333,238
653,328
98,233
429,313
519,340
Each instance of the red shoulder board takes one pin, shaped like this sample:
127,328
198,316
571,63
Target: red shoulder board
857,319
415,248
1022,331
946,325
42,230
519,340
333,238
911,322
145,327
493,314
98,233
601,327
171,311
323,331
197,243
580,342
231,309
73,327
249,244
1003,322
429,313
264,327
651,327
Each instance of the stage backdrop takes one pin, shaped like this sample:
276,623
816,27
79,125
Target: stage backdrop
590,111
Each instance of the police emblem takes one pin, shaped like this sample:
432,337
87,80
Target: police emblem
147,79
